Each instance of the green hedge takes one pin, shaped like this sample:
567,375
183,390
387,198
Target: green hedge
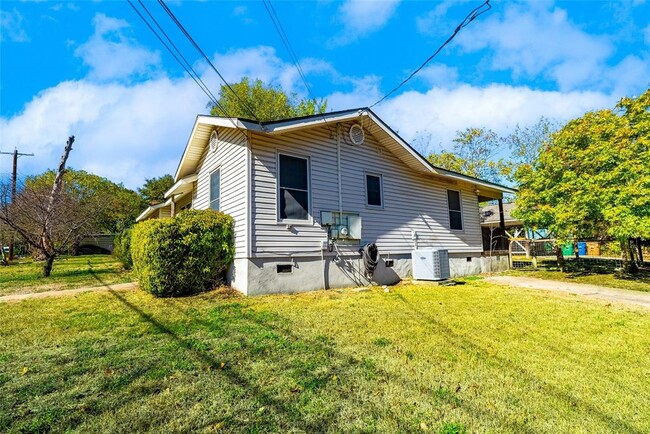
122,248
182,255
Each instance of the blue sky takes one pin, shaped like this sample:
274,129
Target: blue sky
93,69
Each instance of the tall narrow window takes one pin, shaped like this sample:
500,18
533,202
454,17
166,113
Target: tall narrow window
215,193
374,190
293,191
455,213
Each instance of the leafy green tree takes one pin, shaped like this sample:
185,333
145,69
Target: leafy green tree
593,178
112,206
474,154
154,189
525,143
265,102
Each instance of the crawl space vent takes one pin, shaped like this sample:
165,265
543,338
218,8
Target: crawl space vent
214,141
357,135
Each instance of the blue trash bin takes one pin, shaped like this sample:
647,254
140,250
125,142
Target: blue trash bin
582,249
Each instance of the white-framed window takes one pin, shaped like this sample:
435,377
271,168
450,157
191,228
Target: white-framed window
293,188
215,189
374,190
455,210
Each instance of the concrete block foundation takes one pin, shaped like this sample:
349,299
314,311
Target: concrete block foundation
274,275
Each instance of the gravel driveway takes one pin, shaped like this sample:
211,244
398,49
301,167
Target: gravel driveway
624,296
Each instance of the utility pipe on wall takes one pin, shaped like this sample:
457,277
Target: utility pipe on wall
338,164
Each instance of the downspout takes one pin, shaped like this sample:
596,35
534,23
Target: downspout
338,163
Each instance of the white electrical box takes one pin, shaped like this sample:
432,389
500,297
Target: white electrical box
430,264
326,218
345,228
354,227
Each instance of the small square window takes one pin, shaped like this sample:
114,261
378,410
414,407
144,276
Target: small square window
284,268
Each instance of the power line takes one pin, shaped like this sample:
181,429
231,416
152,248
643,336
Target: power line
186,66
189,70
287,44
475,13
193,42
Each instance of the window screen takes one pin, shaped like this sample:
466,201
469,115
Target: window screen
215,178
294,188
373,190
455,213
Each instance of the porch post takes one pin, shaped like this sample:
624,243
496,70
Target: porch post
502,224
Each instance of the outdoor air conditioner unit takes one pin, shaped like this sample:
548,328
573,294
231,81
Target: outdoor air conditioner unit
430,264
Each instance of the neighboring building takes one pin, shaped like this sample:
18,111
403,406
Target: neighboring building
495,231
498,233
307,193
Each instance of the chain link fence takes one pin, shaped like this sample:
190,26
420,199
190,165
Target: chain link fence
536,254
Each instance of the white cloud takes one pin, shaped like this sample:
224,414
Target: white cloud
130,131
439,74
11,23
361,17
535,41
262,62
123,132
435,22
365,91
111,54
441,111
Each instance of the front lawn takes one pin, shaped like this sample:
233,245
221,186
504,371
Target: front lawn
25,275
474,357
636,282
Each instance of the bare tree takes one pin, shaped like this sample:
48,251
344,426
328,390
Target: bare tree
45,218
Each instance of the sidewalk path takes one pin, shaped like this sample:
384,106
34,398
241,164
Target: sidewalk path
65,292
624,296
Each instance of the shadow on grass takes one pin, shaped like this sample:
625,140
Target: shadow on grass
313,354
612,421
321,353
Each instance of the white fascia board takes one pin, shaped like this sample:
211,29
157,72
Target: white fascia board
432,169
147,212
217,122
180,183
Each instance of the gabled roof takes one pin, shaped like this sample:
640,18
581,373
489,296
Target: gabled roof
204,125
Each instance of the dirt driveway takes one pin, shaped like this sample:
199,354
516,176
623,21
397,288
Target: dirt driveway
67,292
624,296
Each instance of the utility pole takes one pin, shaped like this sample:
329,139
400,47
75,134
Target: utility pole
14,174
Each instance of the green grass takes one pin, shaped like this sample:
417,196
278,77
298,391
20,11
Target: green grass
25,276
639,282
468,358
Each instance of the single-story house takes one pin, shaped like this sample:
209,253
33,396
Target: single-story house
306,193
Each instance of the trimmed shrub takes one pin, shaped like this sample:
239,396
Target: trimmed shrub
182,255
122,248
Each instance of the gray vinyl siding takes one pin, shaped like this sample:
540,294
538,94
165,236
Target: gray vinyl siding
412,202
231,159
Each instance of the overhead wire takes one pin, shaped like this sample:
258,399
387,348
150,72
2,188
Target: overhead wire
475,13
275,19
189,37
185,64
